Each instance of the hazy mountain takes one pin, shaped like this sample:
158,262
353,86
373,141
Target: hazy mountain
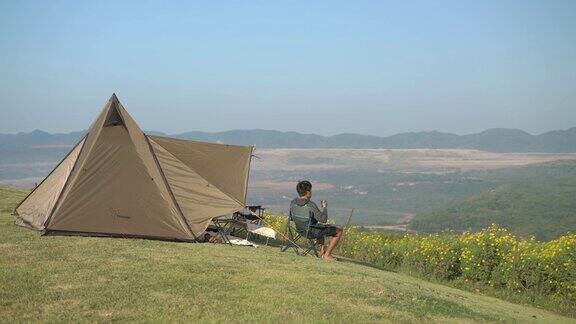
37,139
496,140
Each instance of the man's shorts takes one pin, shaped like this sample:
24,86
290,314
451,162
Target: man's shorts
320,230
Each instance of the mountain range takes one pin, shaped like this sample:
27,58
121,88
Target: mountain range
494,140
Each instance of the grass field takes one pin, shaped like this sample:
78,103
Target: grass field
70,279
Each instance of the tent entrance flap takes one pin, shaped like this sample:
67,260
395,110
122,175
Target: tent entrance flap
113,118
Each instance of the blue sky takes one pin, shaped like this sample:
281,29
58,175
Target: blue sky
326,67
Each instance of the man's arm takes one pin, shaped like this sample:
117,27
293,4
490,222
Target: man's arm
321,215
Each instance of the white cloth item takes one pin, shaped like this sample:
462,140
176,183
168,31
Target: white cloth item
261,230
242,242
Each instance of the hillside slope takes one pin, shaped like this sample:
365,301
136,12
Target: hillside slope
73,279
533,200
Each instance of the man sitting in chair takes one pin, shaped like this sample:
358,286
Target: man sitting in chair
318,217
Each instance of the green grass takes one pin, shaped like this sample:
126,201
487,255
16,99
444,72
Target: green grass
73,279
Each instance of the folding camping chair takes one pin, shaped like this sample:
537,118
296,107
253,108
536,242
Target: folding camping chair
300,217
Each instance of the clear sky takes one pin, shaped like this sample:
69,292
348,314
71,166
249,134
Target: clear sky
326,67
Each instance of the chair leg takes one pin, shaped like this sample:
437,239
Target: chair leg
285,246
312,247
315,250
223,233
290,243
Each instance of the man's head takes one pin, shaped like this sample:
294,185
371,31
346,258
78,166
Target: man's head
304,189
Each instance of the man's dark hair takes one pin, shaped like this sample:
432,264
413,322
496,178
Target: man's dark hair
303,186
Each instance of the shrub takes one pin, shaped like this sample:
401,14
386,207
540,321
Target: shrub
490,257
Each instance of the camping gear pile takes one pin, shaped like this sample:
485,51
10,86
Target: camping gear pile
243,223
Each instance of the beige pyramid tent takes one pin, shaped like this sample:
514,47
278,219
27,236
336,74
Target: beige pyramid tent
117,181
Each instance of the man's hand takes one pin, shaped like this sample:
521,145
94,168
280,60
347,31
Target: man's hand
323,203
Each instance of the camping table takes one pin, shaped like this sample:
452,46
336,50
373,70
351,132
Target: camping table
251,214
238,222
226,226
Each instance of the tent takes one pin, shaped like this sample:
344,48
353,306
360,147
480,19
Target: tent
117,181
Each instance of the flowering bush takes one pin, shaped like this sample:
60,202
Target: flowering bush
492,257
277,222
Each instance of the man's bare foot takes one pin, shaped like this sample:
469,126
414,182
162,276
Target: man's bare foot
328,257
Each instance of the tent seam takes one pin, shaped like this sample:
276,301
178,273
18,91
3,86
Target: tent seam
168,186
49,218
248,174
108,106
